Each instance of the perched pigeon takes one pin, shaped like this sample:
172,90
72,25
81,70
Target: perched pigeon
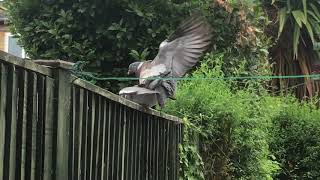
143,96
177,54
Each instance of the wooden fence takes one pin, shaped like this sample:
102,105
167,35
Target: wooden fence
55,126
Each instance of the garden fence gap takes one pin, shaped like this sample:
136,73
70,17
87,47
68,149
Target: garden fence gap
54,126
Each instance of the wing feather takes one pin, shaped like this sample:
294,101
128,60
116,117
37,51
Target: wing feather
184,46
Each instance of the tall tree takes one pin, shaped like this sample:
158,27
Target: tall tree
295,26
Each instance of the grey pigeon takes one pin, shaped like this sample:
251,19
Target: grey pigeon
143,96
177,54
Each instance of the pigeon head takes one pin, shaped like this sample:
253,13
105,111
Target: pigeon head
133,68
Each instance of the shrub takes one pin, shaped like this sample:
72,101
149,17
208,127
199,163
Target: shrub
99,35
296,140
225,127
233,133
103,37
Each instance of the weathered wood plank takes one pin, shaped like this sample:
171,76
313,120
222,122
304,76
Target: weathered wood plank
3,103
157,149
139,142
123,144
84,137
108,139
167,153
81,121
101,138
75,131
148,146
27,64
74,142
23,110
33,128
21,120
127,149
153,150
40,127
119,141
162,150
11,116
113,143
172,152
90,125
31,115
48,168
143,147
93,135
132,157
111,130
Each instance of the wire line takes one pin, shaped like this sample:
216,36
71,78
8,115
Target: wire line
313,76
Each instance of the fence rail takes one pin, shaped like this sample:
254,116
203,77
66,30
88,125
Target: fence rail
55,126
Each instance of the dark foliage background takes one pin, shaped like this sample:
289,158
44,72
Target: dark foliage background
104,37
98,35
233,129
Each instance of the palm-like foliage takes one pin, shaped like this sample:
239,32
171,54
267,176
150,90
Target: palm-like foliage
302,15
298,27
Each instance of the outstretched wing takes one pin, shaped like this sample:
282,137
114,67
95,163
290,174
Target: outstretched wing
181,51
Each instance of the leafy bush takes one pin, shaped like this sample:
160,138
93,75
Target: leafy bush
244,134
99,35
105,36
296,140
225,127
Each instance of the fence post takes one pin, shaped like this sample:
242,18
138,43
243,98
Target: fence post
63,123
62,109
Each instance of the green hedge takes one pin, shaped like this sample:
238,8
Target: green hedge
105,36
296,140
244,134
99,35
224,127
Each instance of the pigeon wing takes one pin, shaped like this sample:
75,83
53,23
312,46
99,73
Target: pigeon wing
181,51
140,95
136,90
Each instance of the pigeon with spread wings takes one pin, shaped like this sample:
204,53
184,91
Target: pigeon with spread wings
177,54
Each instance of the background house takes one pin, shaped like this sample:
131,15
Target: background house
8,43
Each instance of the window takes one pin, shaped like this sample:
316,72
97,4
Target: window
12,47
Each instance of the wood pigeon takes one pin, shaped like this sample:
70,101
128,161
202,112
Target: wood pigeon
177,54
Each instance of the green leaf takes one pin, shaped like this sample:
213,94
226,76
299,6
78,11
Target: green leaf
304,2
315,9
282,19
299,17
296,37
113,28
145,53
135,55
28,28
273,1
314,16
315,25
51,31
289,6
310,31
